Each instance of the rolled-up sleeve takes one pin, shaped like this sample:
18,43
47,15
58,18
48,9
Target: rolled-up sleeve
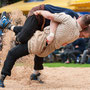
61,17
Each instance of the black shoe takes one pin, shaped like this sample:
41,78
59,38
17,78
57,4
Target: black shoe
2,84
36,77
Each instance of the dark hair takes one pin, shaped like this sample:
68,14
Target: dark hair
86,19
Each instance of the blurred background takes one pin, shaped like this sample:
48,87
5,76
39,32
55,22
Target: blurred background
80,6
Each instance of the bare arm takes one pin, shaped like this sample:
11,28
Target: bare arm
45,14
53,27
53,24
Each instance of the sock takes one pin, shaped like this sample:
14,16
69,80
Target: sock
10,27
2,77
35,71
